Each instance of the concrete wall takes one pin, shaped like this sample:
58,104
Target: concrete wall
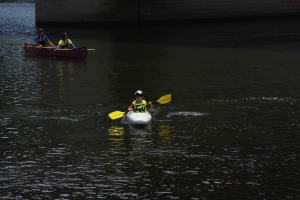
150,10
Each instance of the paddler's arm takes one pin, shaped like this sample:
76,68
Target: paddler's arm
51,43
149,104
37,45
57,47
130,107
73,46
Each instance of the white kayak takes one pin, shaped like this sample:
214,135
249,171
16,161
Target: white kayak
136,118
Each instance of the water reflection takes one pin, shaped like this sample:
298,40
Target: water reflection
116,137
40,62
65,78
128,135
164,130
56,73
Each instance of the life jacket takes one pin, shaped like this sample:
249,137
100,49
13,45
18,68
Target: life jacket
66,44
140,107
42,40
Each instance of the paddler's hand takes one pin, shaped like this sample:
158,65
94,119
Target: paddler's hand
150,104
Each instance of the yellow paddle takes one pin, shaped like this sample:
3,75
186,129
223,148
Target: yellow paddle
162,100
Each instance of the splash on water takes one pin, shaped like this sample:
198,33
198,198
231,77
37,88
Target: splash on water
187,114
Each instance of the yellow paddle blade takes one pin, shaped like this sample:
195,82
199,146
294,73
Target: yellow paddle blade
116,114
164,99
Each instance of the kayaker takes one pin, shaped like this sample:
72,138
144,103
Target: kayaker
65,42
41,39
139,104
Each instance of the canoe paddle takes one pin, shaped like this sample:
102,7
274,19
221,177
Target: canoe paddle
162,100
70,49
52,48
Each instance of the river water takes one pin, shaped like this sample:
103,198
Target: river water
231,130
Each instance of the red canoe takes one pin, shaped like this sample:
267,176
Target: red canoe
80,53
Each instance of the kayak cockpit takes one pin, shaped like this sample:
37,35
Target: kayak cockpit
136,118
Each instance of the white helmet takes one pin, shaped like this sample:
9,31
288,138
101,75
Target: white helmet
139,92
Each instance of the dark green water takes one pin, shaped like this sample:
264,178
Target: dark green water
231,130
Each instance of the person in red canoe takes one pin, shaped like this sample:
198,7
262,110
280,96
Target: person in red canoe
65,42
139,104
41,39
